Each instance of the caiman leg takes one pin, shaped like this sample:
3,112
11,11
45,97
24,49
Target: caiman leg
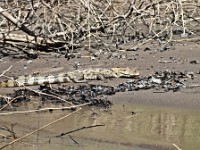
79,81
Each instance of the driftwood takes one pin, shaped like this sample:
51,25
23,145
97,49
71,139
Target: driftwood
16,22
24,38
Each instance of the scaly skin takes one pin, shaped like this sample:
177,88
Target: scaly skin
76,76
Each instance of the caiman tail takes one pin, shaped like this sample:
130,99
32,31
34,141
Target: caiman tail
9,83
30,80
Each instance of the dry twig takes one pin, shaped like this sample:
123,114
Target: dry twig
44,109
2,74
176,146
82,128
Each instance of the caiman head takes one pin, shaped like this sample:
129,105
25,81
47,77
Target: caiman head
125,72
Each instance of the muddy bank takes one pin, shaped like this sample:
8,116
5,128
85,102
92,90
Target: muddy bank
143,120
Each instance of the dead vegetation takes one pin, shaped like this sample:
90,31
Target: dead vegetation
65,27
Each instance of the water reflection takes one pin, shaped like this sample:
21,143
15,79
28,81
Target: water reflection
154,124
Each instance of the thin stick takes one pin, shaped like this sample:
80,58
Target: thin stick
176,146
187,39
8,102
82,128
42,93
45,126
73,139
2,74
44,109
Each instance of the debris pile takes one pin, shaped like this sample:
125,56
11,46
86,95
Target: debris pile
166,80
66,27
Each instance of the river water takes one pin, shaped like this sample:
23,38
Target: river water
126,127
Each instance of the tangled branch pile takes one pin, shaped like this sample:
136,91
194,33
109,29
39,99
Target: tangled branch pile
67,26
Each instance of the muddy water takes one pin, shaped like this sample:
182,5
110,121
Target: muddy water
126,127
